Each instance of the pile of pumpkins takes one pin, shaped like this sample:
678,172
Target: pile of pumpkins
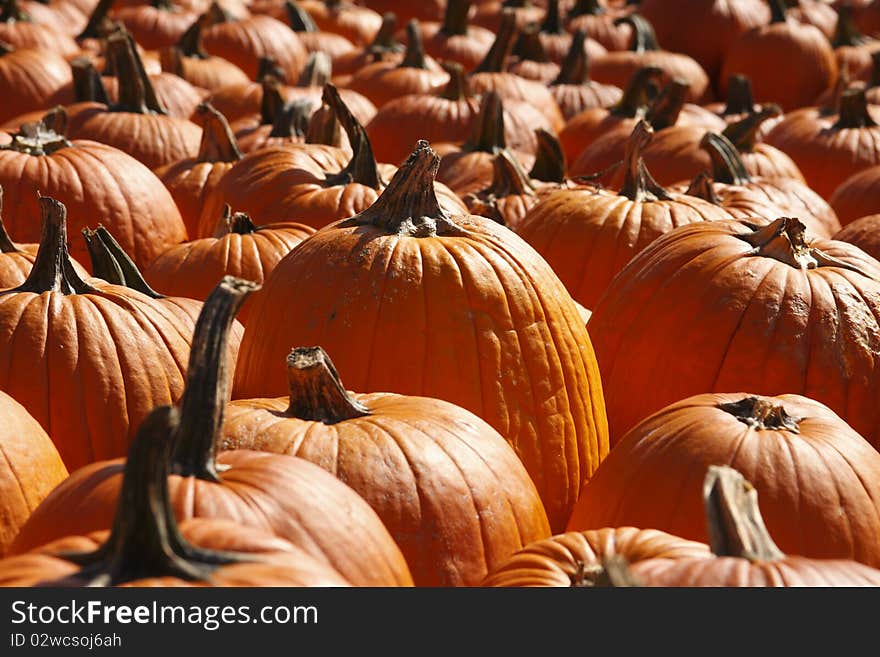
444,293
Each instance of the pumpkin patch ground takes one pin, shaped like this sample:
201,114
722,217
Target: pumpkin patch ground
459,293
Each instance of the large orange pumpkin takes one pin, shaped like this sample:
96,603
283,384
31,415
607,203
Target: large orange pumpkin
479,303
731,305
288,496
30,77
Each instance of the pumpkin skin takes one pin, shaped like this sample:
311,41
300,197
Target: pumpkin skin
451,491
455,40
243,250
31,468
155,27
588,234
856,196
290,497
572,88
85,175
33,75
490,284
863,233
797,459
566,560
18,30
741,279
357,24
599,23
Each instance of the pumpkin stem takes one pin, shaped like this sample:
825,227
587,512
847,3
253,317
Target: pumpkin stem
854,111
612,572
272,102
324,127
267,67
216,15
644,37
875,70
52,270
739,96
549,164
847,34
785,240
190,43
640,88
317,72
171,60
384,41
455,18
415,51
841,84
585,8
552,23
56,120
458,86
496,58
292,120
762,413
218,143
727,165
362,167
37,139
733,518
529,46
508,179
298,18
207,380
10,12
136,92
744,133
487,134
575,68
638,184
98,24
316,391
701,187
6,245
238,223
777,11
113,264
664,111
409,205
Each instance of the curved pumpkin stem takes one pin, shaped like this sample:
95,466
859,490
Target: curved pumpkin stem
52,270
218,143
111,263
99,23
207,380
854,111
415,50
727,165
136,92
734,522
552,21
271,102
529,46
362,167
549,164
316,391
458,86
190,42
508,179
638,184
744,133
739,96
664,111
298,18
644,37
762,413
6,245
575,68
701,187
639,90
88,86
384,41
455,18
409,205
487,135
847,34
496,58
317,72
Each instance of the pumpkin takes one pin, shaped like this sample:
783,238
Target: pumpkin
582,129
451,491
383,47
575,559
314,196
740,279
238,248
588,234
313,40
801,51
617,67
600,24
796,452
86,176
467,168
416,73
290,497
489,14
19,30
190,180
529,58
745,553
394,262
852,49
856,196
32,76
157,25
739,102
356,23
188,60
862,233
137,123
96,335
818,13
146,547
759,158
829,149
454,39
704,29
573,90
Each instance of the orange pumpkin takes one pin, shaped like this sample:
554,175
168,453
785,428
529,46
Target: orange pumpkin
19,31
863,233
188,59
31,76
573,90
856,196
454,39
502,306
599,23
